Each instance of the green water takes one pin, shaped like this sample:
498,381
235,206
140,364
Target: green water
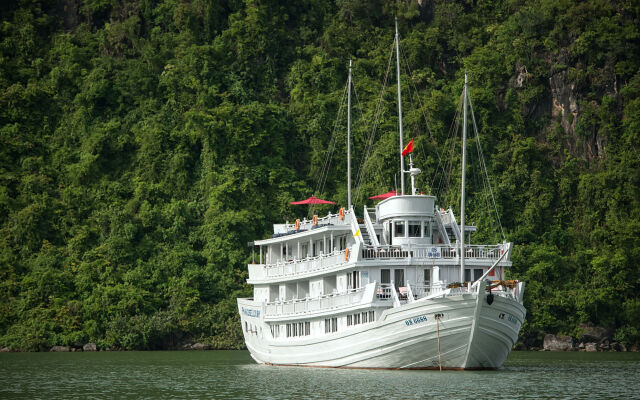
233,375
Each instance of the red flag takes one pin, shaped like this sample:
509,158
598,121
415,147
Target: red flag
408,149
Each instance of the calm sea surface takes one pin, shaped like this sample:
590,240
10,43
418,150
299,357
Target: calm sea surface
233,375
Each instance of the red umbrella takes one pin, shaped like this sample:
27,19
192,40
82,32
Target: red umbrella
384,196
312,200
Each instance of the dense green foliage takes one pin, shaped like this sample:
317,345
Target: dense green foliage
144,143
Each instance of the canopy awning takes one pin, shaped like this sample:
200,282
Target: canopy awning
312,200
384,195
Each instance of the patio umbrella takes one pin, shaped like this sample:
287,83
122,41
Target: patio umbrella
384,195
312,200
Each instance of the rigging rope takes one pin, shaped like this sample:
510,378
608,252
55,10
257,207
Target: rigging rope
421,108
372,134
443,185
424,116
366,127
324,172
484,168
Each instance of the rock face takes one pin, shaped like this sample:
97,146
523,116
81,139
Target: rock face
90,347
200,346
592,333
591,347
57,349
558,343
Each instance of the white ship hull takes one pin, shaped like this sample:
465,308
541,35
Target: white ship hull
471,333
348,292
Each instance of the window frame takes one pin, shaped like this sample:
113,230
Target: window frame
414,223
397,224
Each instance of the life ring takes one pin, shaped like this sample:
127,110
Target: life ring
346,254
315,220
341,213
297,224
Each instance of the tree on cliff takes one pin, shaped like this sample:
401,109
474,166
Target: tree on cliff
145,142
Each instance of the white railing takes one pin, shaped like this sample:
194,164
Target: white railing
488,252
329,219
256,271
384,291
297,267
309,305
384,252
421,290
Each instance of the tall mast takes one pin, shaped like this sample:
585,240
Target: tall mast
399,109
349,138
464,151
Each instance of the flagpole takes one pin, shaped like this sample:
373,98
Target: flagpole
464,151
399,109
413,177
349,139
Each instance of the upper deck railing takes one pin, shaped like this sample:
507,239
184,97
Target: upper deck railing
294,268
333,301
307,224
481,252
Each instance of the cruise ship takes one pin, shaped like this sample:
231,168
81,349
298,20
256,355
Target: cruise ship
399,286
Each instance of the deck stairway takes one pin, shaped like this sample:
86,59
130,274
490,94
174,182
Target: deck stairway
441,226
369,234
452,224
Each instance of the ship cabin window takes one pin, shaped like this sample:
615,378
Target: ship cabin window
305,250
360,318
353,280
477,274
385,276
398,275
275,331
427,277
297,329
331,325
415,229
398,230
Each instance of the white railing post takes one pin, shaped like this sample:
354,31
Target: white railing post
410,298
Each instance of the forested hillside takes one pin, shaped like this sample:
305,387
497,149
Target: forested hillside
145,142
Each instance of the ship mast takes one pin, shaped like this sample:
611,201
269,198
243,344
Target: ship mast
464,145
399,109
349,138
